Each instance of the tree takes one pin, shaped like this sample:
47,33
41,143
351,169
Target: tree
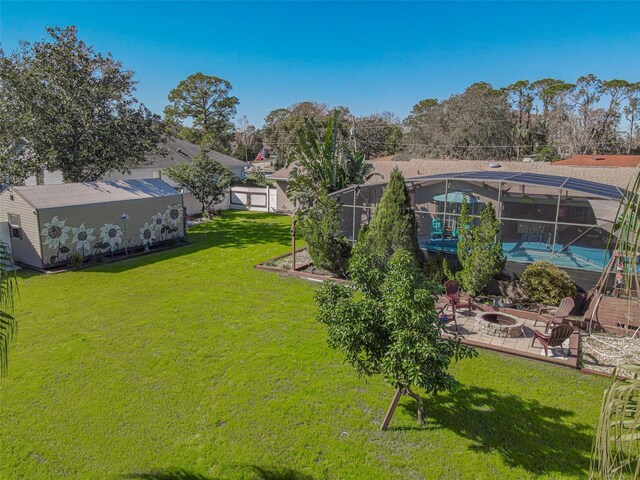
479,250
8,289
205,100
321,227
377,135
386,323
282,126
632,114
476,124
394,225
520,96
324,163
207,179
65,107
246,141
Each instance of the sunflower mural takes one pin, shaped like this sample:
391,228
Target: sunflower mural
82,238
110,237
56,234
147,235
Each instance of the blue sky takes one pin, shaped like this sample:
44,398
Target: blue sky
371,57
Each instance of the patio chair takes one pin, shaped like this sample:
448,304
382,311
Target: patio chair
555,315
556,338
452,292
436,229
440,310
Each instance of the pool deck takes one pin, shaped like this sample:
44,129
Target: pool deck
472,334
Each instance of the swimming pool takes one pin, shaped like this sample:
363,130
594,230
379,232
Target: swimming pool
585,258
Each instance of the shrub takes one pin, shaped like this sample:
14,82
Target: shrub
322,230
545,283
76,260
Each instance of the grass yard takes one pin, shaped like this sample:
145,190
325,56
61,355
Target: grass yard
191,364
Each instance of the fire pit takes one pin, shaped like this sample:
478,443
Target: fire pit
501,324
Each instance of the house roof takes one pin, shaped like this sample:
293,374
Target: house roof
68,194
616,176
283,173
601,161
180,151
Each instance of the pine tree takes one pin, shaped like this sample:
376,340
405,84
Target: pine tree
394,225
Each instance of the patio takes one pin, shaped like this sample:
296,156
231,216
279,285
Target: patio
474,333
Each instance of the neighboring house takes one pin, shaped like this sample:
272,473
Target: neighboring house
601,161
177,152
46,224
281,179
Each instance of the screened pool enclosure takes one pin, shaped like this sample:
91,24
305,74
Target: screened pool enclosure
561,219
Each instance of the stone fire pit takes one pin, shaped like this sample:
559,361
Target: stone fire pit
501,324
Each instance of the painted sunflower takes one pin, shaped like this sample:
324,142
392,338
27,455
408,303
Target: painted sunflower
110,233
83,237
55,233
147,234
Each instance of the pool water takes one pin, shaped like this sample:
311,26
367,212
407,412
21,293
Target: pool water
585,258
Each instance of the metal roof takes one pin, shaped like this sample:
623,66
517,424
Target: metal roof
70,194
552,181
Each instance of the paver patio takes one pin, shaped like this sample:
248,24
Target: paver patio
473,333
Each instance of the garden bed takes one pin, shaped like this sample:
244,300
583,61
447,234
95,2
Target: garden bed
304,267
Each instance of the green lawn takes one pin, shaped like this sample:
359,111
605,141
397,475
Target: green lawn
191,364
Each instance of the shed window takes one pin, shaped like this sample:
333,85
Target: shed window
15,225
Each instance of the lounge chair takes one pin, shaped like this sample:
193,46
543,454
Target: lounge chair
556,338
555,315
452,292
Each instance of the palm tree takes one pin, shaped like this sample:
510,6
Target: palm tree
324,164
8,291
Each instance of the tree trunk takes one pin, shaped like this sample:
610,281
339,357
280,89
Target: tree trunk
418,399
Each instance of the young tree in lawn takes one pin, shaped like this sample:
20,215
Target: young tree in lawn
207,179
386,323
394,224
479,249
65,107
206,101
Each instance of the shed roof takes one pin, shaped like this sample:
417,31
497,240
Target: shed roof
69,194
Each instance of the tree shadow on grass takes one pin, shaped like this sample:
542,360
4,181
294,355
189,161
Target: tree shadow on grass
279,474
252,471
525,433
171,474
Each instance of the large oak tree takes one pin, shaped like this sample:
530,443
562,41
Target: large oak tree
64,106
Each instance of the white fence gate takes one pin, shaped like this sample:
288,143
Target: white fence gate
257,199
